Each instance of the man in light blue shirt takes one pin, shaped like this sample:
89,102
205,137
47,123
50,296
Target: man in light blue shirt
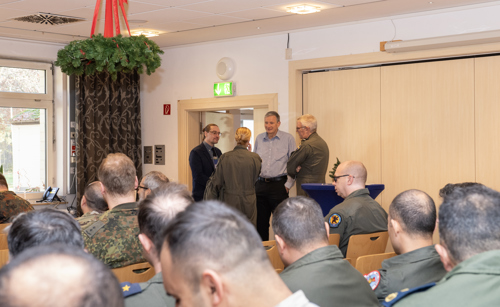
274,148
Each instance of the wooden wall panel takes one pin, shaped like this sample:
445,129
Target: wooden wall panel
347,106
487,85
427,126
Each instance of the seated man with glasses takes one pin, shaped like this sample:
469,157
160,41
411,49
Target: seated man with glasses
149,182
203,159
358,213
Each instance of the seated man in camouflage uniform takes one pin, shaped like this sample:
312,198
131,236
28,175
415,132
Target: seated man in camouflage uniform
92,204
155,212
312,265
469,249
112,236
412,219
10,203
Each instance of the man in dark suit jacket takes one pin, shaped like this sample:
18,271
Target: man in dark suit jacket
203,159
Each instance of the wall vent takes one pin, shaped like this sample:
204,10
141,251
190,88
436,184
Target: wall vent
48,19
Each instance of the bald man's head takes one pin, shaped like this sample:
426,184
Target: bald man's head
58,275
356,169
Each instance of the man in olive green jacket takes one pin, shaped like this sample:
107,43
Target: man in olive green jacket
358,213
155,212
411,224
312,265
470,252
309,163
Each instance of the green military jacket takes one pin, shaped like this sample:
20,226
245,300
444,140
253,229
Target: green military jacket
234,178
152,295
312,157
328,280
357,214
473,282
112,237
11,205
408,270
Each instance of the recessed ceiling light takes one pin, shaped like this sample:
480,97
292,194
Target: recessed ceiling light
303,9
145,33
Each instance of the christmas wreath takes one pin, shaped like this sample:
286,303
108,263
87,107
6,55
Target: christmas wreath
111,54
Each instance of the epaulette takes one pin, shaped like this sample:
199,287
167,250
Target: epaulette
94,228
129,289
393,298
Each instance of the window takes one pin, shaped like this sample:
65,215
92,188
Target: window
26,124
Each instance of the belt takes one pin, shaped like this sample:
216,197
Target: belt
279,178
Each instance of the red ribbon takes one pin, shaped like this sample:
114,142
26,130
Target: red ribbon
111,11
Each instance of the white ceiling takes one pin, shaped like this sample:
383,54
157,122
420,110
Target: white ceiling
193,21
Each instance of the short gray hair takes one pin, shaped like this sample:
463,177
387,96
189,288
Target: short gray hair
272,113
468,221
161,206
307,120
299,222
154,179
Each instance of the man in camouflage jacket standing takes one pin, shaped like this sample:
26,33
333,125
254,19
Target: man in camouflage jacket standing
10,203
112,236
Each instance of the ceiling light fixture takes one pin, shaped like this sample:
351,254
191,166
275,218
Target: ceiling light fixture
145,33
303,9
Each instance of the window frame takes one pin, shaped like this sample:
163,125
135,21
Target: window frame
36,101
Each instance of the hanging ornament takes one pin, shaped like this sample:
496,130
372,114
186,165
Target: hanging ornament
111,15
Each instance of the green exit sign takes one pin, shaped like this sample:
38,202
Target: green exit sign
223,89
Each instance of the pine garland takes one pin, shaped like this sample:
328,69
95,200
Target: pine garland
111,54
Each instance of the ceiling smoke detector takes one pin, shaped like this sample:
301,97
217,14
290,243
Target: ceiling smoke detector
48,19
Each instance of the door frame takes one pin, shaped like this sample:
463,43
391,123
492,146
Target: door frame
188,114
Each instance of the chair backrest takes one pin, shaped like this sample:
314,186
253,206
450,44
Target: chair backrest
3,241
334,239
4,257
273,254
3,226
368,263
128,273
367,244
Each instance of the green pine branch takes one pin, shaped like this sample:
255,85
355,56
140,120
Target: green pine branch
111,54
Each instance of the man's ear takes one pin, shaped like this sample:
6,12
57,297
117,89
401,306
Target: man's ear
136,183
445,256
83,203
146,243
280,244
327,228
211,284
103,189
396,226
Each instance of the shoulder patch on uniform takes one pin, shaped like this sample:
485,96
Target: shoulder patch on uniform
94,228
129,289
373,278
335,220
392,298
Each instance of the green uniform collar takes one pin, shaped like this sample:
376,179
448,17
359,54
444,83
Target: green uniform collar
420,254
357,193
132,205
320,254
483,263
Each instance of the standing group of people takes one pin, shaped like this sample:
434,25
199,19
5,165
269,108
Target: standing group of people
256,182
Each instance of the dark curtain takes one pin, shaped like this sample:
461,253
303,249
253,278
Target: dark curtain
108,121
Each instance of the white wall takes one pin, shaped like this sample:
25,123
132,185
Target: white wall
189,72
